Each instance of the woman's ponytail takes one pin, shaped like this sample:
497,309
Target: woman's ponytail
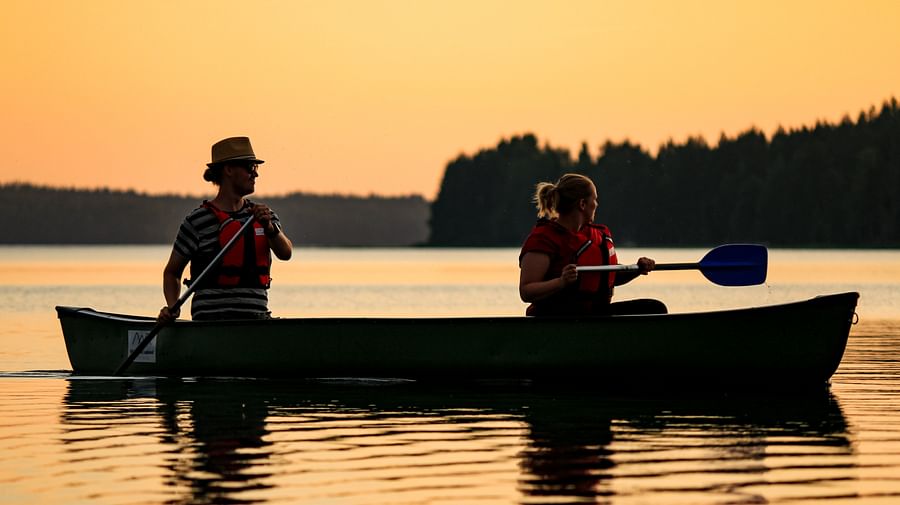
545,198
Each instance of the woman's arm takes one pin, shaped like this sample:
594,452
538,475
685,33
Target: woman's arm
645,265
532,286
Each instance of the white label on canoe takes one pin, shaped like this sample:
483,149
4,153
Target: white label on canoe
148,355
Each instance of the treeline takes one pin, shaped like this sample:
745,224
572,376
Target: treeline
41,215
830,185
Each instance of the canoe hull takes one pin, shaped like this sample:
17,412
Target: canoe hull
802,341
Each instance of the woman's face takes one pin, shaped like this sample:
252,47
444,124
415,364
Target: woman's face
590,206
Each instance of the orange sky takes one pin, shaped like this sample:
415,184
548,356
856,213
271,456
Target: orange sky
376,96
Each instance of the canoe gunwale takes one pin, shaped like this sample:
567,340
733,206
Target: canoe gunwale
69,311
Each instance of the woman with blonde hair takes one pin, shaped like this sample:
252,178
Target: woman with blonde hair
565,237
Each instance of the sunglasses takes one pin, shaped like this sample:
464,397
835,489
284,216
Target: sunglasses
251,168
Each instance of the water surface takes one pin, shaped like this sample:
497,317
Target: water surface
69,439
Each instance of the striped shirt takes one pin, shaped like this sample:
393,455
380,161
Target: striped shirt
199,233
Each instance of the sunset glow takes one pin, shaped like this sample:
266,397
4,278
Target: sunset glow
376,97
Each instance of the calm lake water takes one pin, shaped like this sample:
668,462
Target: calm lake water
67,439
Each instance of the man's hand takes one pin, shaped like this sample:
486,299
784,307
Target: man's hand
263,215
167,316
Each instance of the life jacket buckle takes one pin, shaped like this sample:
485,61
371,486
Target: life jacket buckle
581,249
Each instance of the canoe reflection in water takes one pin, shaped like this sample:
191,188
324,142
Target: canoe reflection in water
229,436
213,443
685,444
245,441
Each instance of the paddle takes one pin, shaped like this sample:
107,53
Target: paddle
190,290
726,265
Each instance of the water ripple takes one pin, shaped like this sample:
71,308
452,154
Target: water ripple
66,439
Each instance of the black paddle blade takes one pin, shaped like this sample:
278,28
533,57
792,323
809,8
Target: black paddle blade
736,265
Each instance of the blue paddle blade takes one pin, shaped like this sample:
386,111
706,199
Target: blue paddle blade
736,265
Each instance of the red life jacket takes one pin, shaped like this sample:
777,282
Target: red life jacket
597,249
592,245
246,264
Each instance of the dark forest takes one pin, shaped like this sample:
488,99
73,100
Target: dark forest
830,185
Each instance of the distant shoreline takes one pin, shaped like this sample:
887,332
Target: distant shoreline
45,216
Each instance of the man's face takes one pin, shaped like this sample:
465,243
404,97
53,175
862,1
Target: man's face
242,176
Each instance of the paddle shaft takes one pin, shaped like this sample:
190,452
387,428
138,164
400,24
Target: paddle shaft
635,268
183,298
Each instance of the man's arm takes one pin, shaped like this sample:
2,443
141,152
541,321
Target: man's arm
172,286
278,241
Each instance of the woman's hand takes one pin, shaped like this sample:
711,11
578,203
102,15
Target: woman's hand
645,265
569,274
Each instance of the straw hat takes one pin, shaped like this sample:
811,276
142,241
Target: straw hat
232,149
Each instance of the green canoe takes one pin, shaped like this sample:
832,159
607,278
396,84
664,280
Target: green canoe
790,344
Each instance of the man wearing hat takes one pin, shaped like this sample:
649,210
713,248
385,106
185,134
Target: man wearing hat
236,288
